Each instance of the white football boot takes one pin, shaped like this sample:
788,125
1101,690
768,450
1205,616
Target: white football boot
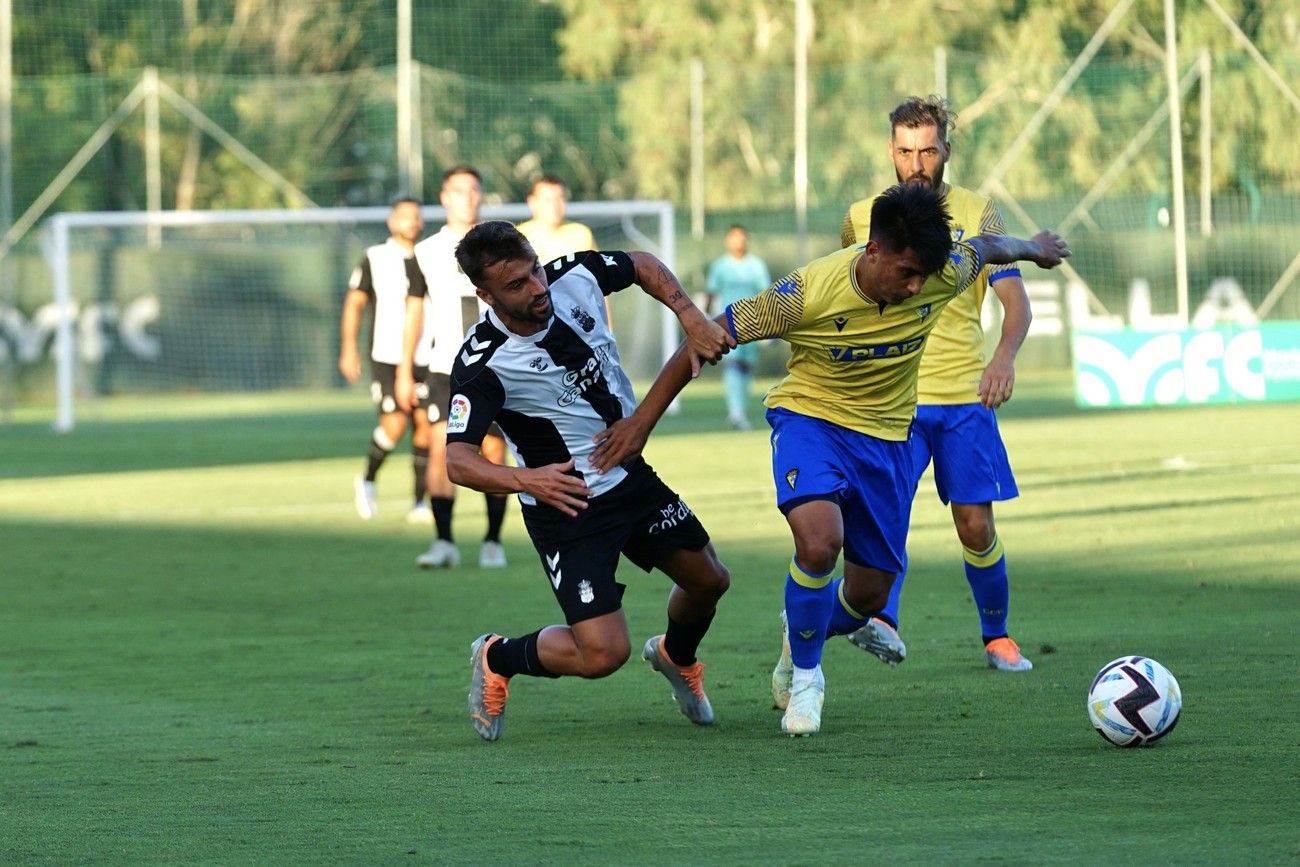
363,497
441,555
784,671
804,715
881,640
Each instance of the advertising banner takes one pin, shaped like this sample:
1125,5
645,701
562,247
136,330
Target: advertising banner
1229,364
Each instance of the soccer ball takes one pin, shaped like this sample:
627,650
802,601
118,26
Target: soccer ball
1134,701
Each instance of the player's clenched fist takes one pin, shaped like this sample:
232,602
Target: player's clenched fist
1051,249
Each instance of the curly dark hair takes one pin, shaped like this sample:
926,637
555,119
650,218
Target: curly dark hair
913,215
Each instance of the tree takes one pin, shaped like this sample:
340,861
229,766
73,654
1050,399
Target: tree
1005,58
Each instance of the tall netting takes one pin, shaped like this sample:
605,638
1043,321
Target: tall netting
279,104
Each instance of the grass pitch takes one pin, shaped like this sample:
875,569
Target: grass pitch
206,657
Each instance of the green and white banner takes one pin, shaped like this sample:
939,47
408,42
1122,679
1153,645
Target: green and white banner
1230,364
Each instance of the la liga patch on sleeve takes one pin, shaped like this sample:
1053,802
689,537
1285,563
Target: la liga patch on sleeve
458,419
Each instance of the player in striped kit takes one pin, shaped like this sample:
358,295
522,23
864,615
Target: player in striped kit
386,275
544,365
436,322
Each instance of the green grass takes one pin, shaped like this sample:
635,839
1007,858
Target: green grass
205,657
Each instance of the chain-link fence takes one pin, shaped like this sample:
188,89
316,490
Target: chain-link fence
308,103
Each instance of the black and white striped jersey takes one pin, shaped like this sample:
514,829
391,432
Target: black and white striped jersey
550,392
388,273
451,305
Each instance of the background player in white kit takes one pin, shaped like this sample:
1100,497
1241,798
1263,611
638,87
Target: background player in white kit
386,275
436,322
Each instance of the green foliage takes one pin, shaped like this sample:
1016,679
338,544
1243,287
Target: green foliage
1003,61
205,657
600,93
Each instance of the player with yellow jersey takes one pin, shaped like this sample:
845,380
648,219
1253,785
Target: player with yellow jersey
551,235
856,322
958,391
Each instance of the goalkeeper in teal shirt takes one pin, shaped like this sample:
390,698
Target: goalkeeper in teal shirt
739,274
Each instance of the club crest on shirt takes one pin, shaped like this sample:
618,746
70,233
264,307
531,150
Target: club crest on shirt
791,477
788,285
583,318
923,311
458,417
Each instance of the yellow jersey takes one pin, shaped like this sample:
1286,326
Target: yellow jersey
564,239
954,358
853,362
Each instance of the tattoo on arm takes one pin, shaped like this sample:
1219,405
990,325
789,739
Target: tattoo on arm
677,300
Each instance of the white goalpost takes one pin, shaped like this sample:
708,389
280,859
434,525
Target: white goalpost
176,300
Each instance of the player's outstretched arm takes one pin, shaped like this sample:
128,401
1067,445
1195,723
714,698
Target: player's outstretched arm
706,340
626,437
554,484
1046,249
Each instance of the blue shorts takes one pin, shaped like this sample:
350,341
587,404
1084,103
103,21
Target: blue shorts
970,461
869,478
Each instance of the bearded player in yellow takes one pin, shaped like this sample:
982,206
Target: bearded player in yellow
958,390
856,322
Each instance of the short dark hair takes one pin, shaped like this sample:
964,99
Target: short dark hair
554,180
487,244
736,227
913,215
915,112
405,200
462,169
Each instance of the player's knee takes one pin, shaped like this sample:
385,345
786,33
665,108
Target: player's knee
975,530
869,592
604,660
817,556
721,579
717,577
382,438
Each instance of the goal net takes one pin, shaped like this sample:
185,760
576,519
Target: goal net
237,301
